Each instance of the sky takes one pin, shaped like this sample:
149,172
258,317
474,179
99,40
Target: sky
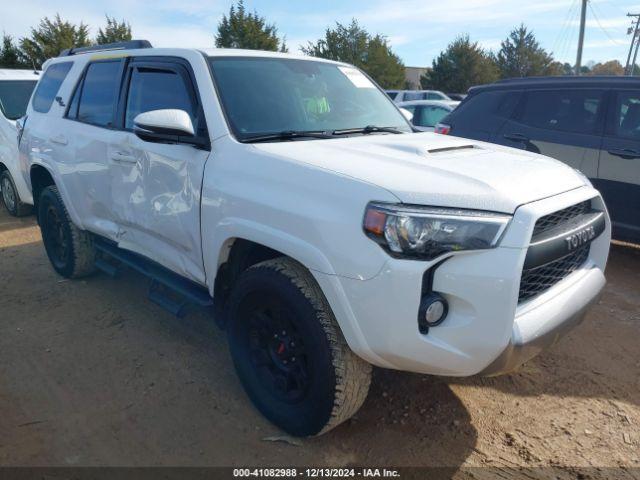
418,30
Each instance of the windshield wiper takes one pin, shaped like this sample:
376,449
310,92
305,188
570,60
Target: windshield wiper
367,130
293,134
287,135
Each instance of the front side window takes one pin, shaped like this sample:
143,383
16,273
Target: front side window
99,92
272,95
563,110
157,89
49,85
14,97
626,116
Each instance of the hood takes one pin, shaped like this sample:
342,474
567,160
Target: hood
438,170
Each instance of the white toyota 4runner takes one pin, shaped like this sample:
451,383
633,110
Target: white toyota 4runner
292,195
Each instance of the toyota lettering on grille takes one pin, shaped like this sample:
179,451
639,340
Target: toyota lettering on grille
580,238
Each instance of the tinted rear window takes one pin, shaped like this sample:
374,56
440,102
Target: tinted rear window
49,85
14,97
500,103
99,93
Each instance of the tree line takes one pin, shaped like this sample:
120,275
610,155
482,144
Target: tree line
51,36
462,64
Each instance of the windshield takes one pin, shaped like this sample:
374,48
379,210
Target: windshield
14,97
270,95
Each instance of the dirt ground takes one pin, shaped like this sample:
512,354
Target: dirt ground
92,373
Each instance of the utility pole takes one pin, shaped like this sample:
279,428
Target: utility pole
635,55
583,18
629,67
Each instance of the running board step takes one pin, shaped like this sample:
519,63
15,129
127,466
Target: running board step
163,281
164,299
106,267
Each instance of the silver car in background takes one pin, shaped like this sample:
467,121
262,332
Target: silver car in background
399,96
428,113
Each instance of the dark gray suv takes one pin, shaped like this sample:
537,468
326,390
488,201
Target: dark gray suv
590,123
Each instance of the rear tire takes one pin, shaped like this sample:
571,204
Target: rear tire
10,197
70,250
289,352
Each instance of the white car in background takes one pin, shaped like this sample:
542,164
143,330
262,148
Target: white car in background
16,87
399,96
426,114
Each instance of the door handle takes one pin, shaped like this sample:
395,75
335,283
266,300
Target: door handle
624,153
123,157
516,137
59,139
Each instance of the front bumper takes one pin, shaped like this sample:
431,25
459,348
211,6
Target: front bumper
486,330
540,328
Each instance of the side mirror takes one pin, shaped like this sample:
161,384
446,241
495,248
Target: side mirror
407,114
156,125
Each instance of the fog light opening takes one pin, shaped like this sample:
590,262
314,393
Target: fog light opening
433,311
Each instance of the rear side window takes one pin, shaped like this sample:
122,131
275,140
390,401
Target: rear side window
408,96
98,94
14,97
49,85
157,89
575,111
626,115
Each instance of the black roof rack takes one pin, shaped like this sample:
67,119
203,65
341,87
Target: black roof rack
131,44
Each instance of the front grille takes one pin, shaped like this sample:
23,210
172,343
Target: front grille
536,280
540,278
561,216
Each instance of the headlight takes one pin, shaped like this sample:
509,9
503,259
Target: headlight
425,233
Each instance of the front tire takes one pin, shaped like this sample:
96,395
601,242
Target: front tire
289,352
10,197
70,250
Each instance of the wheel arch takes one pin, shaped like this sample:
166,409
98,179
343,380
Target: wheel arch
235,255
265,243
40,178
257,240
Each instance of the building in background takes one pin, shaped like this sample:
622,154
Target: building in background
412,76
